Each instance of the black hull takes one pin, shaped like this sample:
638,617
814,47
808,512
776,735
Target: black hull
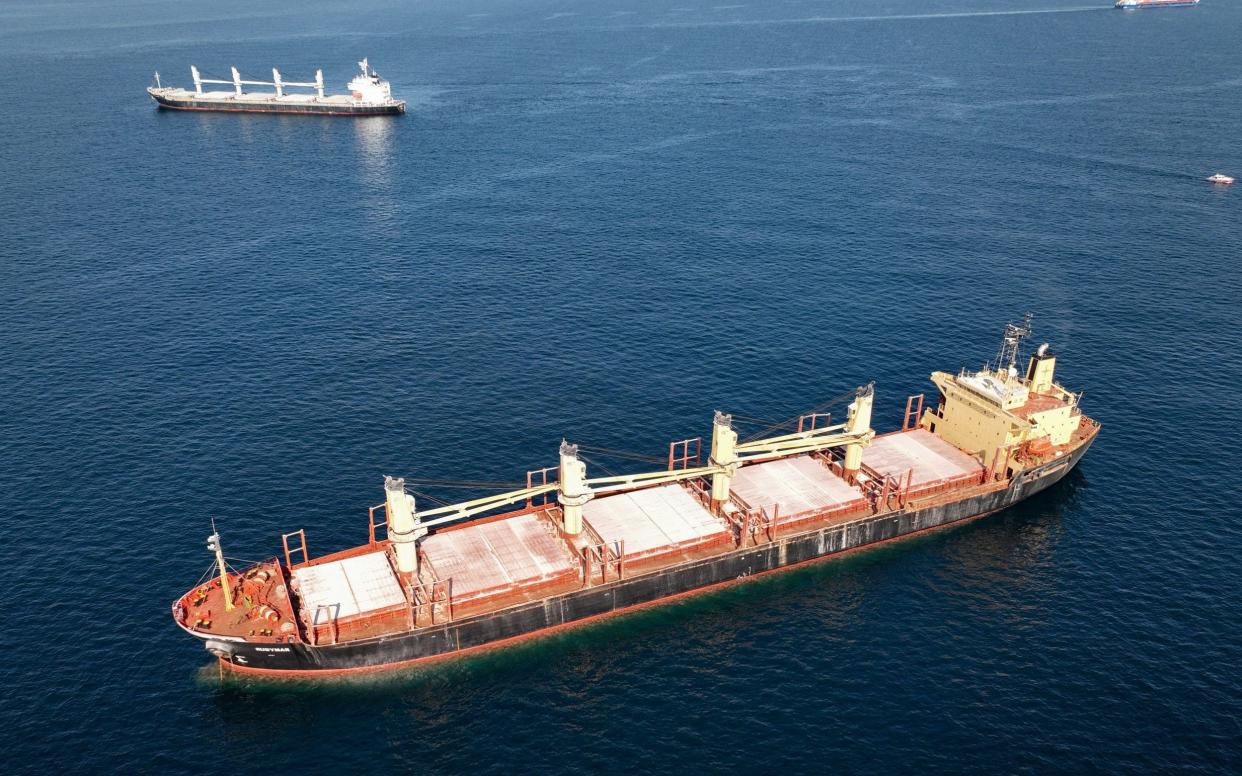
604,599
258,107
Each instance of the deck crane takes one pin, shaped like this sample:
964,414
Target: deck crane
237,82
574,489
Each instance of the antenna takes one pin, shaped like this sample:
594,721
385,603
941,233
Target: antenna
213,545
1014,334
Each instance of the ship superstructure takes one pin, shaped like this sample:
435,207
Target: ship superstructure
995,412
369,95
435,582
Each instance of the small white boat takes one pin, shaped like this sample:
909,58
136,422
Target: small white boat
1220,178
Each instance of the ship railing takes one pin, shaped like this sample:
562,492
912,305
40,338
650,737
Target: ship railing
382,523
736,517
898,488
885,491
325,614
810,421
299,547
871,489
604,556
740,502
833,458
758,520
685,453
914,411
824,457
747,521
431,605
539,478
591,535
874,474
701,492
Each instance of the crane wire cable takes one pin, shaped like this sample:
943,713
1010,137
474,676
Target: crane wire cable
430,497
613,453
475,484
600,465
621,454
760,421
817,408
211,569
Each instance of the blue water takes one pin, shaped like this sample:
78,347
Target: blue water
602,221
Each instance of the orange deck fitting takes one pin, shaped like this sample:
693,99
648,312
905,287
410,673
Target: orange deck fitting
794,488
499,556
935,462
655,521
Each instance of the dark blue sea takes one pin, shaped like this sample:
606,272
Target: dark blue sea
602,220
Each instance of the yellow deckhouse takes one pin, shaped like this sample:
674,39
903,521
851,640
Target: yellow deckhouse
998,415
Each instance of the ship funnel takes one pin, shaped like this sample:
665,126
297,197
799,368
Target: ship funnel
404,529
1040,370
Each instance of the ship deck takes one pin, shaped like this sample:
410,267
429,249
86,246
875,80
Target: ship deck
794,490
928,462
494,563
512,555
664,520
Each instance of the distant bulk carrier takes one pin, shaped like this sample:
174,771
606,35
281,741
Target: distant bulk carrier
429,583
369,95
1134,5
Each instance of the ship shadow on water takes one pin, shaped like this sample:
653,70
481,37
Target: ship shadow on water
998,548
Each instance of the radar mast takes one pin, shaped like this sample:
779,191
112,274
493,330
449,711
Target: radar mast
1007,357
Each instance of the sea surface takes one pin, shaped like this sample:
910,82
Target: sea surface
602,220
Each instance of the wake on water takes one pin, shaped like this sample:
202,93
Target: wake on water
890,17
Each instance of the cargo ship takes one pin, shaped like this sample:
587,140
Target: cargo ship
566,548
1134,5
369,95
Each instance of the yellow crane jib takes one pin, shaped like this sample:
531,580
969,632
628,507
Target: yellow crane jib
454,512
574,489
